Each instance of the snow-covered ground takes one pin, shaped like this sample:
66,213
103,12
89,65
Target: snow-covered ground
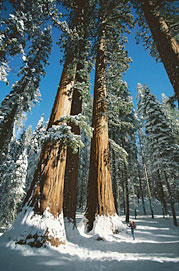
156,248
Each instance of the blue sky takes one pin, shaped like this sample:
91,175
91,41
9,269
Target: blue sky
143,70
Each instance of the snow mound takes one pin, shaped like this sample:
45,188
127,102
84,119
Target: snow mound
35,230
103,228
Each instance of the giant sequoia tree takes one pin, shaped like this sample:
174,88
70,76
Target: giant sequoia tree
45,196
100,198
79,101
44,200
100,202
158,15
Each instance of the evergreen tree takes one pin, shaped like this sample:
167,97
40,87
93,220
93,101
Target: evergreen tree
122,133
80,102
143,152
172,116
28,22
161,140
160,17
12,189
44,200
100,200
34,150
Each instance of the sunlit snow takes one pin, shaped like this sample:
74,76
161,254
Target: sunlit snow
156,248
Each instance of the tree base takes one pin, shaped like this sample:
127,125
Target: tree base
105,226
37,230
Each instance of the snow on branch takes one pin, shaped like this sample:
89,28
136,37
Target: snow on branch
122,154
4,69
63,133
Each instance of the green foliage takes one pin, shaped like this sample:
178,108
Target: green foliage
64,136
121,153
12,186
160,136
172,115
27,24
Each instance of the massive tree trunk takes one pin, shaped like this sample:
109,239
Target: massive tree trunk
71,174
167,46
41,218
100,197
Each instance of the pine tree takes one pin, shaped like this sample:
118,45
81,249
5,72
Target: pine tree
12,189
122,133
26,23
172,116
161,140
34,150
128,168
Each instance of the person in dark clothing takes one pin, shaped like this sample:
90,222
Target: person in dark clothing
132,225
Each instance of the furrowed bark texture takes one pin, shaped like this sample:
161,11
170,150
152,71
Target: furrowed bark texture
46,191
71,174
167,46
100,197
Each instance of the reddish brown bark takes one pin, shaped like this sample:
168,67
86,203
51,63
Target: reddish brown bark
71,174
100,197
47,187
167,46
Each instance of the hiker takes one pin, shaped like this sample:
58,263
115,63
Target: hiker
132,225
